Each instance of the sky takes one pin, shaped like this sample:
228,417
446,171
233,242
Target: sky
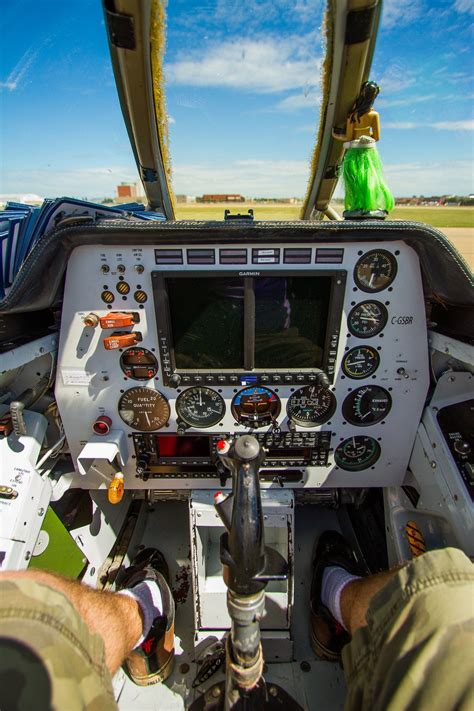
243,97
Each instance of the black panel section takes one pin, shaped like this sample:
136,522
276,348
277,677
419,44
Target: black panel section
233,256
297,256
121,30
201,256
457,425
359,25
329,256
168,256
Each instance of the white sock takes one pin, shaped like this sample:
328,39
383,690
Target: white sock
148,596
334,581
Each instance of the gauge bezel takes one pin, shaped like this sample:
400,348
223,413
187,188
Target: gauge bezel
319,421
187,421
364,465
373,350
394,264
150,393
154,366
384,319
349,403
265,419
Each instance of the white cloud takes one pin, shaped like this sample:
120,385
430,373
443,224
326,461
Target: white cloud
306,100
440,125
20,71
397,13
397,77
405,179
83,182
464,6
264,178
408,101
265,65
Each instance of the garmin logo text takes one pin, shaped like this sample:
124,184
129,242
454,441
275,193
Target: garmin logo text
249,273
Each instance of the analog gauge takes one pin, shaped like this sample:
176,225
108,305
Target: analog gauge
375,271
367,319
360,362
357,453
311,406
138,364
366,405
144,409
256,407
200,407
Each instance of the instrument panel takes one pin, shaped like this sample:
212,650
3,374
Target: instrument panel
320,351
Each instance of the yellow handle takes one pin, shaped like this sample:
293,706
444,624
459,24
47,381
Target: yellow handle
116,489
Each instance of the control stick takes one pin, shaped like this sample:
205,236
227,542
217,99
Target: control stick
248,566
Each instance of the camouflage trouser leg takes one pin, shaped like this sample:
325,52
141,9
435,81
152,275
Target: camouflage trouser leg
417,651
49,659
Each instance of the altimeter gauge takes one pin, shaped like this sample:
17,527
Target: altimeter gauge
375,270
310,406
367,319
200,407
144,409
357,453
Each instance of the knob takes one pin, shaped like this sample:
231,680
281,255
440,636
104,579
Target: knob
462,447
121,340
91,320
142,463
323,380
117,319
175,380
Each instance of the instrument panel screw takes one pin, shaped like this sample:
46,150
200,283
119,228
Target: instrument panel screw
215,692
40,511
273,691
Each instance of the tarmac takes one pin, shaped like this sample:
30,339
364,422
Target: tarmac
463,239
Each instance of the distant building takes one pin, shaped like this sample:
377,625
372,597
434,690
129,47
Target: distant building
221,198
185,199
127,190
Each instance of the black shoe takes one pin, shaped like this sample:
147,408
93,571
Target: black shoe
328,637
153,660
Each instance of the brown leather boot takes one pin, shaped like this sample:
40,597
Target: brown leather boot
152,662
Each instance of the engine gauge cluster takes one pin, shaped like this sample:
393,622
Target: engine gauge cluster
367,319
357,453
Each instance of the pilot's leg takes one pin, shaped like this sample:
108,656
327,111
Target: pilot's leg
411,630
61,641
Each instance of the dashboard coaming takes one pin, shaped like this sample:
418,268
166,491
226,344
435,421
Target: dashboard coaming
90,381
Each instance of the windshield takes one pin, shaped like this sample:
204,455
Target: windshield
243,97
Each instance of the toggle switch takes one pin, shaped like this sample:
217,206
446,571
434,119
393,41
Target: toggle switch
122,340
118,319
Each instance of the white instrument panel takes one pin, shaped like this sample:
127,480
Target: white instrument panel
90,381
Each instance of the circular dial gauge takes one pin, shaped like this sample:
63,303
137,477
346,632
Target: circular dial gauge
367,319
139,364
360,362
311,406
144,409
357,453
256,407
200,407
375,270
366,405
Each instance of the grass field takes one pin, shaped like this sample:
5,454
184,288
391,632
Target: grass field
435,216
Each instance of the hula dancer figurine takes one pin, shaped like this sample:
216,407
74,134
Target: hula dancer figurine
366,194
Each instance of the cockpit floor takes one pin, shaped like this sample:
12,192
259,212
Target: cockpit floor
319,686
